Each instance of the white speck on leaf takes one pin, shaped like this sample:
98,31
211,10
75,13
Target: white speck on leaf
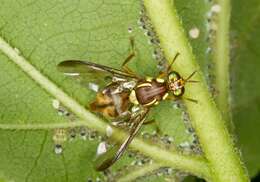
93,87
58,149
194,33
55,104
102,148
216,8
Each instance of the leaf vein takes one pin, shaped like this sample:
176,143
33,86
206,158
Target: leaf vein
37,157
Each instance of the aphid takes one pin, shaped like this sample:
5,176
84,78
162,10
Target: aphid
127,97
59,137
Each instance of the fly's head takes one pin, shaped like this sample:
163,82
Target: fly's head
176,83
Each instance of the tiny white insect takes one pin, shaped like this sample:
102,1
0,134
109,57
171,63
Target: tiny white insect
102,148
55,104
194,33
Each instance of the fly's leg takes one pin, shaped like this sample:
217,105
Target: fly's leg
162,75
191,100
174,98
170,65
121,120
129,57
152,121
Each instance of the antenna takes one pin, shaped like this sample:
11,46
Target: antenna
170,65
191,100
189,77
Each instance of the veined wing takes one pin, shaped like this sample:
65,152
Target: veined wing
88,72
111,156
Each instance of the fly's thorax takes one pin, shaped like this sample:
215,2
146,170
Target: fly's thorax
121,86
129,85
149,92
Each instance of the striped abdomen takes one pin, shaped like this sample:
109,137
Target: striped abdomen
110,105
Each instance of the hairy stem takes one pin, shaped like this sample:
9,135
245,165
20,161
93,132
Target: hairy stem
193,164
207,120
221,56
47,126
141,171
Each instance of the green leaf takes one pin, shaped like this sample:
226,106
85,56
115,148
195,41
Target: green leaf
245,79
46,33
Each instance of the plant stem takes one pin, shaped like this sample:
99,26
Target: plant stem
47,126
207,120
141,171
194,164
221,57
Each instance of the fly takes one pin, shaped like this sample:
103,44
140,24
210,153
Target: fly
126,96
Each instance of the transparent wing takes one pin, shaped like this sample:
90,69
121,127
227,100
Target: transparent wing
87,72
112,155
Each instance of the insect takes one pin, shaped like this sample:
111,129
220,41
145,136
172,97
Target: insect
127,97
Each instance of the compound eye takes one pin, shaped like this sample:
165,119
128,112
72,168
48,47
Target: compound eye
173,76
178,92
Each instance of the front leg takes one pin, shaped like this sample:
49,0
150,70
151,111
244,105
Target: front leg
129,57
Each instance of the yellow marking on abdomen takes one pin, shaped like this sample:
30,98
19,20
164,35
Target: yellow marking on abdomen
165,96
